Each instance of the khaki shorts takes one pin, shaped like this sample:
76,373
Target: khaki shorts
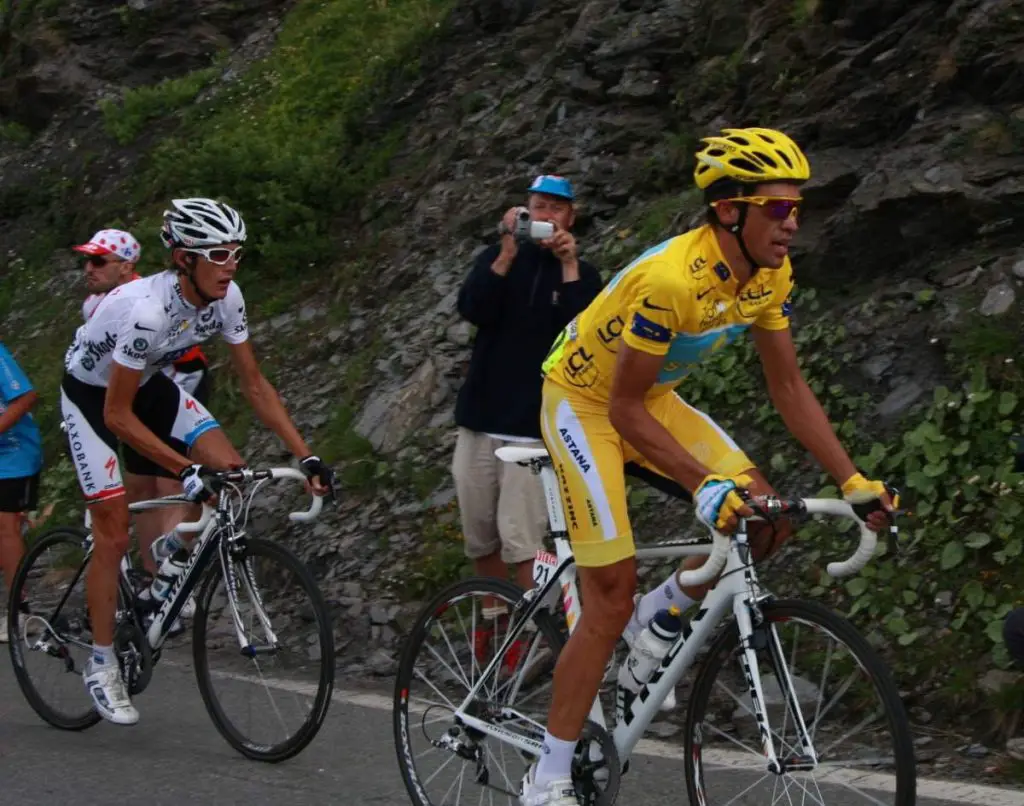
501,504
589,456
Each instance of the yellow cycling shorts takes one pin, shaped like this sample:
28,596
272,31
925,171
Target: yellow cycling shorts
589,456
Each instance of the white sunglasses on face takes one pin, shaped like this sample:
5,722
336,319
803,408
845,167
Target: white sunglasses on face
220,255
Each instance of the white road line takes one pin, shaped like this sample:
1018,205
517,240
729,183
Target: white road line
955,791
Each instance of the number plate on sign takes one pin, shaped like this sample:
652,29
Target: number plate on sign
544,566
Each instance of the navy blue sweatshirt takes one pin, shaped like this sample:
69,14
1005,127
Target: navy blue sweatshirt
518,317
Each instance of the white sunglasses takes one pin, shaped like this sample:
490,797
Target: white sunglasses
220,255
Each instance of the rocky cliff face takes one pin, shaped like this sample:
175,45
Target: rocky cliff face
912,114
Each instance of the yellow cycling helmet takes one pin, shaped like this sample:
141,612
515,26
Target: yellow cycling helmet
750,156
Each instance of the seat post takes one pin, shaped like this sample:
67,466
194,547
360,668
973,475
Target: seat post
556,519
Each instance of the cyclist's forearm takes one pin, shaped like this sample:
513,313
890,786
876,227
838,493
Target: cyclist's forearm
809,424
132,431
654,442
268,407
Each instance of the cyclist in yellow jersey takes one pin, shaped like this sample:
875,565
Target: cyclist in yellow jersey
610,406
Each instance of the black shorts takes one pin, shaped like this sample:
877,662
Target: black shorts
194,377
166,409
20,494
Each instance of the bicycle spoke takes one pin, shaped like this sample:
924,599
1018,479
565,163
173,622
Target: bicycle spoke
438,771
852,732
821,692
437,691
455,657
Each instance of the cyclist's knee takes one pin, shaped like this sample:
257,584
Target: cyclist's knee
608,595
110,527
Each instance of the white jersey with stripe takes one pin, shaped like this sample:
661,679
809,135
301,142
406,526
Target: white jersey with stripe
148,324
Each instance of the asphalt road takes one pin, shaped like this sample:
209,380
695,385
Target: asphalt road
175,755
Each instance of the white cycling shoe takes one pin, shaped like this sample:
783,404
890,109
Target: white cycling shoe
633,628
108,693
556,793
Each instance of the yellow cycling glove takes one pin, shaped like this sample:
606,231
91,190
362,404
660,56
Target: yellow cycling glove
858,490
716,499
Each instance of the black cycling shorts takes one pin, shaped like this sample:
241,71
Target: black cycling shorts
19,494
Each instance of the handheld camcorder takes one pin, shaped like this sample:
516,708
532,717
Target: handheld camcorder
524,229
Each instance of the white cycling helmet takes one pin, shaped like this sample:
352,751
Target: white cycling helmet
201,222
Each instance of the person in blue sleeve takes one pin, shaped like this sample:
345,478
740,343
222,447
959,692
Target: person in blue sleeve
21,459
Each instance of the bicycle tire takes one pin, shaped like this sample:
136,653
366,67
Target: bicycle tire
282,751
504,589
71,535
841,629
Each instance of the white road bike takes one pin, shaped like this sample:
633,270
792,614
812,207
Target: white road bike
782,684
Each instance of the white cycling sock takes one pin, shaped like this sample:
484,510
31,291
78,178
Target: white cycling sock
556,763
661,598
103,655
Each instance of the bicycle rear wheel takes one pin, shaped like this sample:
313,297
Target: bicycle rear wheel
49,628
845,695
287,662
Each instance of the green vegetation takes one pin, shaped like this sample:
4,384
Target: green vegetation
125,120
803,11
952,463
14,134
285,141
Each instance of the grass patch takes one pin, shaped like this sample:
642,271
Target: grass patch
126,119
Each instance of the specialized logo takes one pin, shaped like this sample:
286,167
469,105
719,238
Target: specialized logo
110,465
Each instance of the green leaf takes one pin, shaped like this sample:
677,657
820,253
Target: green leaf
1007,403
977,540
933,471
856,586
994,631
974,593
907,638
897,625
961,448
952,555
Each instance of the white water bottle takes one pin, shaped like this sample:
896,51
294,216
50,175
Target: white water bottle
170,569
650,648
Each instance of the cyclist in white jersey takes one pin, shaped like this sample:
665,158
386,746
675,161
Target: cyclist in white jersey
114,391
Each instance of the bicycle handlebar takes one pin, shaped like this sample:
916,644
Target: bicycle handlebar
228,476
792,506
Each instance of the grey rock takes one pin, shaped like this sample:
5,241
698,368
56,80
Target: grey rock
1018,269
381,663
460,333
875,367
900,399
282,320
976,751
944,599
998,300
996,680
308,312
442,498
664,730
379,614
1015,748
389,417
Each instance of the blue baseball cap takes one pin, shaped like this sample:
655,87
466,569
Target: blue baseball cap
553,186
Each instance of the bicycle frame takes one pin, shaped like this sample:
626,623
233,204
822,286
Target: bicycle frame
737,590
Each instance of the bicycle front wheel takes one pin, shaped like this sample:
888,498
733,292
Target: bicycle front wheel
264,651
860,741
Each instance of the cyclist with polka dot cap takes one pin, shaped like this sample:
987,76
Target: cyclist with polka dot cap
112,256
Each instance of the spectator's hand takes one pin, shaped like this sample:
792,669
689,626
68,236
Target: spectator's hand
563,244
509,247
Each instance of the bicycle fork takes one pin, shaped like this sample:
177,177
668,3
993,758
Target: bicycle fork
231,586
755,637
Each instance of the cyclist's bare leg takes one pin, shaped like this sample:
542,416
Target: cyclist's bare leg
213,449
110,542
763,540
148,525
524,575
11,546
608,594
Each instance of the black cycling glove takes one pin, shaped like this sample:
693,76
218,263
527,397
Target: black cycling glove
314,467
